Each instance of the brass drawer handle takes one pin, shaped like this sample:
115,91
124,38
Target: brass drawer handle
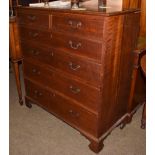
40,94
75,47
34,35
71,111
52,94
51,54
74,89
73,66
75,25
37,93
74,114
35,71
31,17
34,52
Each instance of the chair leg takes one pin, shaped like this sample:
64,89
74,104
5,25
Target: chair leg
143,121
17,77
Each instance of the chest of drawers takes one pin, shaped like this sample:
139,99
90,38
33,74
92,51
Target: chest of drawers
78,66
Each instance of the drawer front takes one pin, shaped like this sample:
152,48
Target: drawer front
35,35
77,45
82,68
33,19
87,96
60,106
78,24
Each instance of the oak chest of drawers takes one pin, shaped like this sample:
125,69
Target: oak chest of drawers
78,66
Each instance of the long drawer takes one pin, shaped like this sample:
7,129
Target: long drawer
73,45
77,45
63,108
82,68
87,96
88,26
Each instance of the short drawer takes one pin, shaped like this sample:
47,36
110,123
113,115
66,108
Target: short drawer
33,20
76,45
73,114
82,68
83,25
35,35
87,96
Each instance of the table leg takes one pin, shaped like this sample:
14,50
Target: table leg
17,77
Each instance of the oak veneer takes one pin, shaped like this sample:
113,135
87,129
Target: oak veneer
78,66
